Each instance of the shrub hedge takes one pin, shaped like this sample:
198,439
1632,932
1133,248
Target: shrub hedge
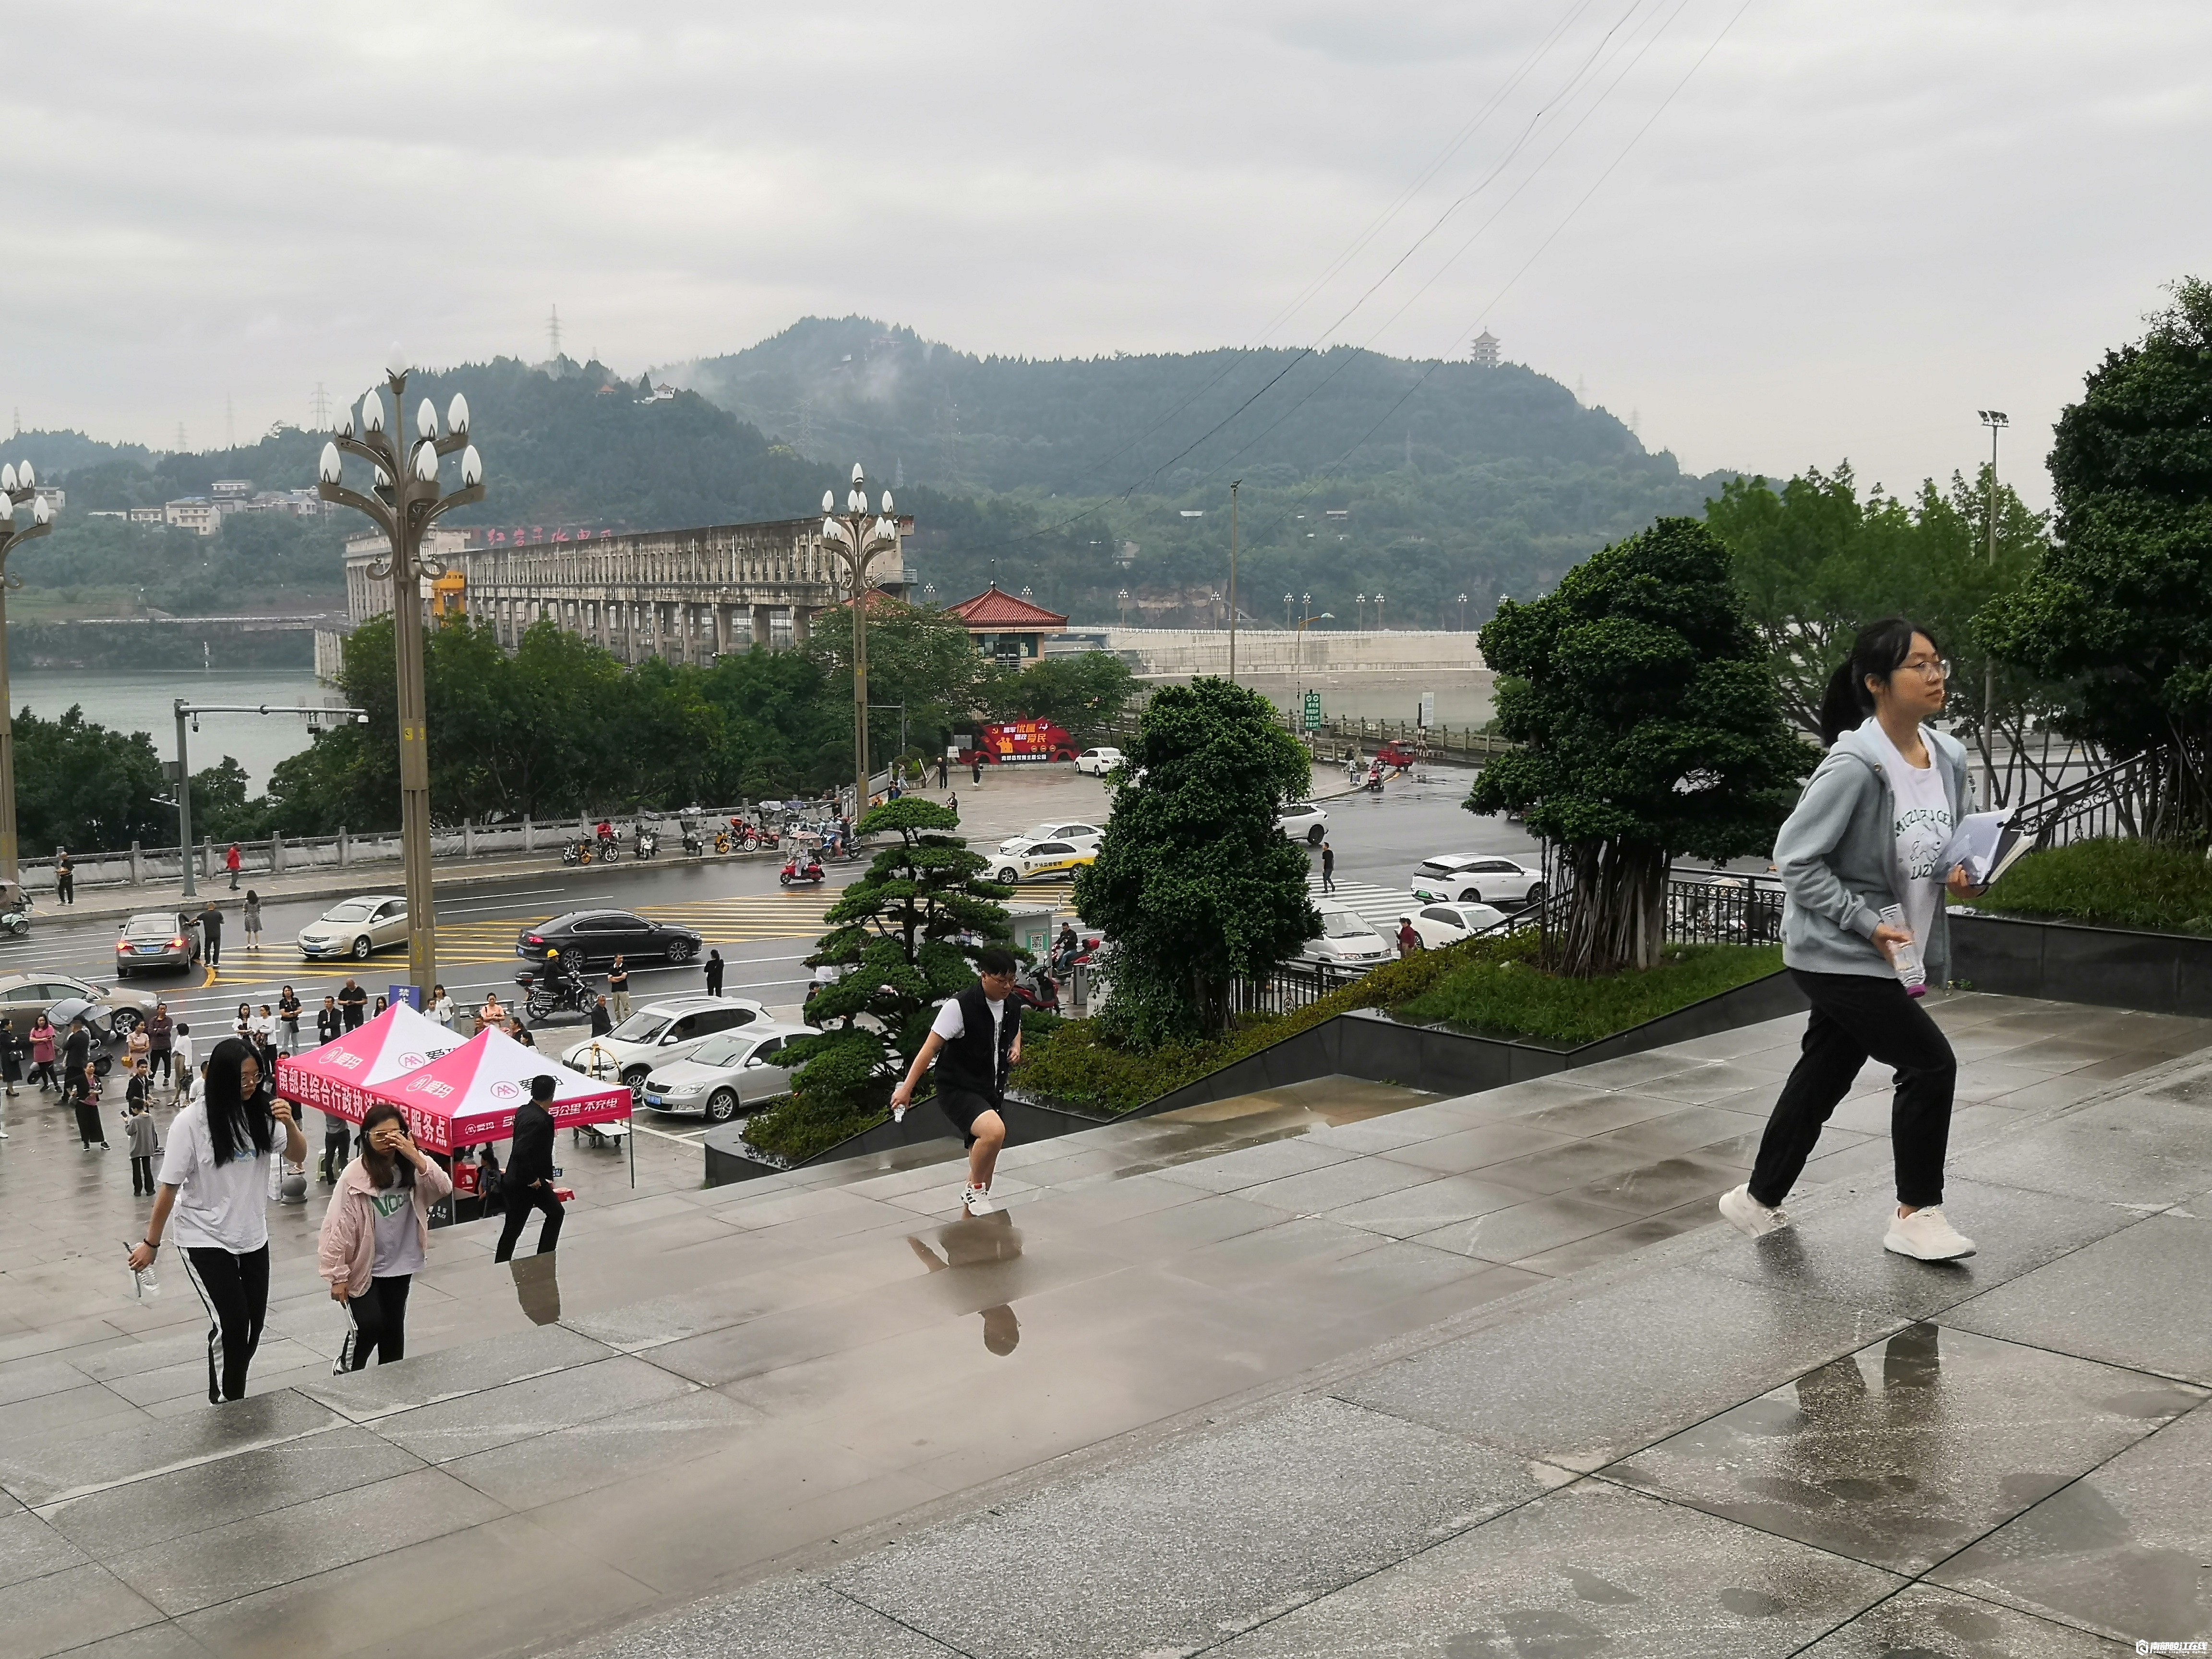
2110,883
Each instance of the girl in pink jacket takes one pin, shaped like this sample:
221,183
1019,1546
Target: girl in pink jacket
376,1234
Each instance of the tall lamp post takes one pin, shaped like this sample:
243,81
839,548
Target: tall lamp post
19,487
859,537
1995,420
1462,613
404,501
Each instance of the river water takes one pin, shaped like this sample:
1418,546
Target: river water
140,700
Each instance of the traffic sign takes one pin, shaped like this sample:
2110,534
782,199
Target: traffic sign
1313,711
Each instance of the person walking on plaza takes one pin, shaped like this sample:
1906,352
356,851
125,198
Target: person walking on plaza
65,877
43,1039
943,771
376,1237
143,1139
603,1019
353,1002
213,1184
528,1182
1328,868
1867,836
211,920
288,1010
618,989
13,1048
234,862
441,1008
161,1041
138,1052
86,1095
714,973
1409,938
250,918
975,1039
975,770
183,1062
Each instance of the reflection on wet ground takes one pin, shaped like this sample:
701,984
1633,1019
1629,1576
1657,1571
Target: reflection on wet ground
1460,1377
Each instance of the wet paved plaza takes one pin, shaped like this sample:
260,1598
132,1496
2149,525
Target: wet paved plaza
1334,1370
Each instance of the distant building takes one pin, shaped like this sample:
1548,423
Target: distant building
1486,350
194,512
231,489
662,393
300,503
1006,628
97,513
148,514
57,498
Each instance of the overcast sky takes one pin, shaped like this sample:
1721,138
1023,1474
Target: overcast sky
1854,224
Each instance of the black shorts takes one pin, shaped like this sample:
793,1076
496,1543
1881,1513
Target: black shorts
963,1108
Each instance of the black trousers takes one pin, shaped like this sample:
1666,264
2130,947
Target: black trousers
234,1290
141,1176
520,1201
337,1147
1858,1018
379,1323
89,1129
212,952
157,1063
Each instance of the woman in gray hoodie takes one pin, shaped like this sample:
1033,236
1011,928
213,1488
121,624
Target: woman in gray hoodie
1867,836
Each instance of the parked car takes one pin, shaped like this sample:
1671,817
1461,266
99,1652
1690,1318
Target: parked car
595,938
1045,858
356,928
153,938
658,1034
1345,940
1029,837
1304,821
725,1076
1097,762
24,997
1477,878
1448,924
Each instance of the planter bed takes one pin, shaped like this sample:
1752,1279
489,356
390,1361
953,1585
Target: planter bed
2079,961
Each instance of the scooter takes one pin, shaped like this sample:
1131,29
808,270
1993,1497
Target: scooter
802,869
15,920
1375,779
648,843
721,843
610,847
578,852
1038,991
693,846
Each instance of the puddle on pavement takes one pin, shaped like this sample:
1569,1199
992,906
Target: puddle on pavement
976,1242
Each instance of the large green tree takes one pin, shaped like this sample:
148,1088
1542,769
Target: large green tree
80,786
1649,726
919,659
2119,611
1086,693
1195,886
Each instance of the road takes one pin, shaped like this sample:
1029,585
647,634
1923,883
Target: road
763,931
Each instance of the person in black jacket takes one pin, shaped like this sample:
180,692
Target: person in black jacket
330,1023
975,1039
528,1182
211,934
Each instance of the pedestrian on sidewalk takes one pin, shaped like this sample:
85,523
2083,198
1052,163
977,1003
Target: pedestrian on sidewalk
242,1026
65,877
251,917
943,771
492,1016
1868,834
213,1183
142,1136
376,1235
12,1050
1409,938
288,1010
975,769
43,1039
330,1023
89,1129
441,1008
618,989
338,1146
160,1039
1328,868
183,1067
211,920
353,1002
138,1052
235,862
715,965
975,1039
603,1019
528,1182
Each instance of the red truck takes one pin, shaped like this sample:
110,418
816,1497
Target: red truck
1018,742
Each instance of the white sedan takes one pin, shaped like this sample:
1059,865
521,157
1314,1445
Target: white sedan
1448,924
1304,821
1045,859
726,1075
1345,941
1078,832
1476,879
1097,762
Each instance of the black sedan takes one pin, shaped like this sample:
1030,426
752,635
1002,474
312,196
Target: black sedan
593,938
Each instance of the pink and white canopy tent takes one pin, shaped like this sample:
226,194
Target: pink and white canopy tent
343,1077
470,1095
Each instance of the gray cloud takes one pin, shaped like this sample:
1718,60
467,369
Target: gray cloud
1855,224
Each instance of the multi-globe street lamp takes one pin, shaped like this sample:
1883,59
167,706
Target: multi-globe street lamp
858,538
405,499
1462,613
1379,612
1360,599
19,488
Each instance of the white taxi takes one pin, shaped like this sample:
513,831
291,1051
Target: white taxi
1044,860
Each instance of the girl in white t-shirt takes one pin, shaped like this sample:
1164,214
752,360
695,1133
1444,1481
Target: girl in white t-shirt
212,1185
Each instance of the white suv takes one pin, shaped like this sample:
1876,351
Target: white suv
657,1033
1476,879
1304,821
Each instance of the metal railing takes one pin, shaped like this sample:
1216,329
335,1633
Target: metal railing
2135,798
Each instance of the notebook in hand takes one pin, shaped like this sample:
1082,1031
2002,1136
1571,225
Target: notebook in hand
1987,844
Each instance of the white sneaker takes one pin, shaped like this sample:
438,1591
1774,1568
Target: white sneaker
977,1201
1747,1215
1926,1236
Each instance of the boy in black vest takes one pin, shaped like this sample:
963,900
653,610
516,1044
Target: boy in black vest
975,1039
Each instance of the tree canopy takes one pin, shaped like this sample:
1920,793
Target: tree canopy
1194,885
1649,726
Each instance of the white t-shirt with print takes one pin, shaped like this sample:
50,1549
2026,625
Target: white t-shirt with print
1922,829
223,1207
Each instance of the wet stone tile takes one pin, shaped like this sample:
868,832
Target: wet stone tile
583,1456
2140,1298
2122,1551
1477,1146
1907,1450
382,1389
30,1547
1593,1569
1248,1166
1318,1191
2130,1151
1650,1188
1424,1209
1526,1229
1210,1534
1923,1622
43,1471
70,1609
781,1619
520,1410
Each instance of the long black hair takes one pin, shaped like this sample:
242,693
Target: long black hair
1878,651
382,1166
234,1117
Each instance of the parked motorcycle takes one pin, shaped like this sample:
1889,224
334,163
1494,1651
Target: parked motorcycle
578,852
647,844
16,918
693,845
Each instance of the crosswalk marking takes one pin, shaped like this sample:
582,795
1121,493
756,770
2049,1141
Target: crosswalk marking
1378,907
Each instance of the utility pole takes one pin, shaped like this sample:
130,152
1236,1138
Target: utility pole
1995,420
1233,488
16,489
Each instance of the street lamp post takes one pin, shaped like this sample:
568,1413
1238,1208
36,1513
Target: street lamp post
858,538
19,487
1378,613
1360,621
1462,613
1995,420
405,499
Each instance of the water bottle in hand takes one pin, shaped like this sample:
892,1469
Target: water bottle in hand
1905,957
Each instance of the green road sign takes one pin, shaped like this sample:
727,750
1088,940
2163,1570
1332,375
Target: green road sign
1313,711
